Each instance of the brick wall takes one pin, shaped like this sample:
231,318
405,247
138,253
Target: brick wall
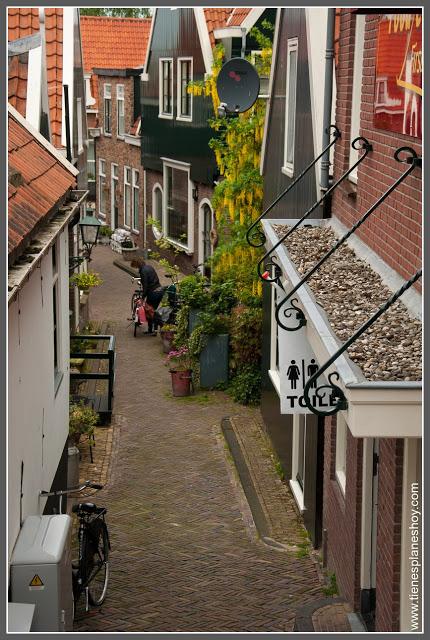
390,475
114,150
394,230
342,513
183,260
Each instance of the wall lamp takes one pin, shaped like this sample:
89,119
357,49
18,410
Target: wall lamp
89,227
195,193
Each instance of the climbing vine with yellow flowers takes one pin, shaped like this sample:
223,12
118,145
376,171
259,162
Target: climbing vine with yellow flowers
238,197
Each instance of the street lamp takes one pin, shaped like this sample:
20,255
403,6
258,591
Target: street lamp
89,226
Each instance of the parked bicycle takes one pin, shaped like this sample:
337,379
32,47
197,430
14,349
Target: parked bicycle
90,572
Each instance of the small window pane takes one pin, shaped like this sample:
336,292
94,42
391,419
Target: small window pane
177,205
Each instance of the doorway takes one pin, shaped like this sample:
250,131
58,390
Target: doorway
114,196
206,224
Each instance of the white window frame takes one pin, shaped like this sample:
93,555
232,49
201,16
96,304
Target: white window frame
202,203
274,368
357,80
161,113
341,445
120,99
107,95
103,175
288,167
157,234
299,422
135,187
181,166
180,115
91,162
127,219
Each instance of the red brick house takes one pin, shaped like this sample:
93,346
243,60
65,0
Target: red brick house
114,51
357,468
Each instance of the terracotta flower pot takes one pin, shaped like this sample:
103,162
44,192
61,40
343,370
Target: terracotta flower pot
181,383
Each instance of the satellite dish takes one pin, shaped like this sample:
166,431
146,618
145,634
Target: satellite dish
238,85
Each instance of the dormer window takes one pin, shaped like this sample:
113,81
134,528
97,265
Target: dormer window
166,88
107,95
185,76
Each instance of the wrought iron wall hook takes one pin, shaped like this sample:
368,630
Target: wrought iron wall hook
413,160
337,397
261,266
254,236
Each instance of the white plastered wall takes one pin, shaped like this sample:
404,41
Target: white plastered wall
37,416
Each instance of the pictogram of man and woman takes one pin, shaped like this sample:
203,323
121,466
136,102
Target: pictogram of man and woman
293,373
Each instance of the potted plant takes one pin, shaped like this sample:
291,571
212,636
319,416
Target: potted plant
85,280
167,333
105,233
209,343
180,367
194,294
82,420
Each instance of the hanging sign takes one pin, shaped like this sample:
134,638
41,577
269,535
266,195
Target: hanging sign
297,363
398,81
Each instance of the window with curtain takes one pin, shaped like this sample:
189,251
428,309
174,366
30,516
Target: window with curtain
135,199
166,87
127,196
102,187
185,73
177,205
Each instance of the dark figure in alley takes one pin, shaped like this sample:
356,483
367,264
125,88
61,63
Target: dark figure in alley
152,290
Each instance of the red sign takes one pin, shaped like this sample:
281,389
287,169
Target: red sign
398,82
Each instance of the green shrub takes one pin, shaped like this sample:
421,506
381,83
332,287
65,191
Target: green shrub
245,337
193,293
245,387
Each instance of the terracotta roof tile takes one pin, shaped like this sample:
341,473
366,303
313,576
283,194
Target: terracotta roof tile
54,69
44,181
238,16
114,43
17,82
216,19
22,21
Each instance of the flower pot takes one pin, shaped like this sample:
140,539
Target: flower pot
75,437
181,383
167,338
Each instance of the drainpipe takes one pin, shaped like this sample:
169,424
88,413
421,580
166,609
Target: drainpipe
67,123
242,51
328,91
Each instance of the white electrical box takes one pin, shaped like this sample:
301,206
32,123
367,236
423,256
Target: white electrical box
41,571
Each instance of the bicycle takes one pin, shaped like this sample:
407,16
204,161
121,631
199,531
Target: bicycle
90,572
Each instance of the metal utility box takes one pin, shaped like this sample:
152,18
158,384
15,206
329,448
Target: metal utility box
41,571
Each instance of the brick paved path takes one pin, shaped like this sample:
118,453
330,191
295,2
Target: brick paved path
182,558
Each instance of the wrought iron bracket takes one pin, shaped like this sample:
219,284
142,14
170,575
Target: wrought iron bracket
254,236
357,144
413,160
336,394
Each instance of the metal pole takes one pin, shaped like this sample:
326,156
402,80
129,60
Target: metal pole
328,91
67,122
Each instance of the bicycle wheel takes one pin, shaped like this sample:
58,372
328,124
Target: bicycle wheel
95,559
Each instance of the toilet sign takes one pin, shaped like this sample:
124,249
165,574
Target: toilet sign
297,363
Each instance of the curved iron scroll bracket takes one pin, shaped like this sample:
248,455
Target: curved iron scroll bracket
413,160
359,143
338,400
254,236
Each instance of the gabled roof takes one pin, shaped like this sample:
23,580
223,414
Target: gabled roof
216,19
39,178
23,22
114,43
237,16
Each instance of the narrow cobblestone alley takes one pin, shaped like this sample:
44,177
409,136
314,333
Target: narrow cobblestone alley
182,557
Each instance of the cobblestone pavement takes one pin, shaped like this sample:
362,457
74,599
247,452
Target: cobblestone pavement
183,558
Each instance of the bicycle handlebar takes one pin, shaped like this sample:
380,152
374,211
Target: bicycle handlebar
62,492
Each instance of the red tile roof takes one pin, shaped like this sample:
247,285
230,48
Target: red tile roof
54,69
216,19
17,82
114,43
238,16
42,181
22,22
